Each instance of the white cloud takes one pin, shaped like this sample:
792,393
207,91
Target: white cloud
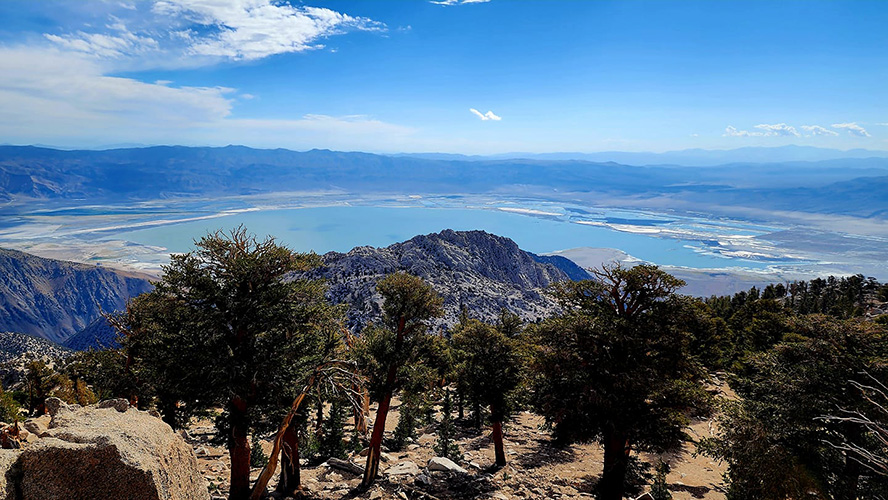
457,2
768,130
485,116
817,130
778,129
253,29
104,45
56,97
196,32
852,128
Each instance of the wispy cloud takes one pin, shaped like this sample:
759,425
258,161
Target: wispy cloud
457,2
485,116
253,29
764,130
818,130
204,31
852,128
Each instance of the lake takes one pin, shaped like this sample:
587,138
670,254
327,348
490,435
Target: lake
340,228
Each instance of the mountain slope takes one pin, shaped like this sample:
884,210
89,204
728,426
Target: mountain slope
97,335
54,299
13,345
483,272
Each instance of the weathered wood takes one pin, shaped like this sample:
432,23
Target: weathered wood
345,465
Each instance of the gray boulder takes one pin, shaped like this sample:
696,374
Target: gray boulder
91,453
442,464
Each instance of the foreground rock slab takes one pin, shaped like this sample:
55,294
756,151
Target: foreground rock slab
92,452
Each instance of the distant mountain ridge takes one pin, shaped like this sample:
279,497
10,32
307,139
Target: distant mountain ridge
36,179
54,299
685,157
473,269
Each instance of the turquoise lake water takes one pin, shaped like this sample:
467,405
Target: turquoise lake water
342,228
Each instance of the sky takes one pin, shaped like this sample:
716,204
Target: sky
456,76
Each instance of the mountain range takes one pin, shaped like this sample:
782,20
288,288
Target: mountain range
34,179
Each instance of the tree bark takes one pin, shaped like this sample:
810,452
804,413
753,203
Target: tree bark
498,444
616,461
291,478
239,452
372,467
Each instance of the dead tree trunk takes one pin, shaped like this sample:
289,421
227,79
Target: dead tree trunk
290,473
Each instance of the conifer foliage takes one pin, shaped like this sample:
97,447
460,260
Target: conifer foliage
225,327
388,350
614,368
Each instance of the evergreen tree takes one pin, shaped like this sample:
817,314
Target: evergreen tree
659,489
779,426
226,326
387,351
615,368
489,369
333,441
445,446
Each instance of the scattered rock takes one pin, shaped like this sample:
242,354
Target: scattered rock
38,425
405,468
54,405
442,464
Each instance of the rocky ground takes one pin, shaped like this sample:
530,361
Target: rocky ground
536,470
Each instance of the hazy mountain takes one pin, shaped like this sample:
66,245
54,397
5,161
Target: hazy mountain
685,157
52,177
54,299
481,271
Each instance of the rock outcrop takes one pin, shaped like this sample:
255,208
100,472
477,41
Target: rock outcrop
102,451
477,270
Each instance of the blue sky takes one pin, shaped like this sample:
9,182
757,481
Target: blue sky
405,76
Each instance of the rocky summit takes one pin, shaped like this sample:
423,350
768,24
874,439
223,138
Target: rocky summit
477,270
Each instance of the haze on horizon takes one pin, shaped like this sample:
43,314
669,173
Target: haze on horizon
455,76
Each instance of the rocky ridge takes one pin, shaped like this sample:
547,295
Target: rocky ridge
14,345
477,270
54,299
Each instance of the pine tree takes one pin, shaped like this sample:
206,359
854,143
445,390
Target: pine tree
333,440
445,446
